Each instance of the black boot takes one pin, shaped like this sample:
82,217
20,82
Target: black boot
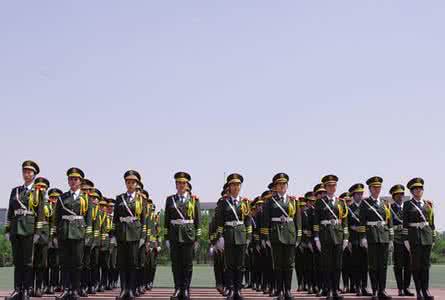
131,283
124,292
175,295
279,285
287,282
230,294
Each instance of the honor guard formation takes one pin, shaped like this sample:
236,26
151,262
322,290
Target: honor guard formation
78,243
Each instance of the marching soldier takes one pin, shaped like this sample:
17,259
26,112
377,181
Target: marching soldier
143,247
283,231
377,236
218,259
53,273
95,198
269,280
234,231
401,256
73,229
41,244
182,232
256,245
331,235
25,214
299,254
359,256
129,218
419,235
113,274
307,216
155,247
348,287
105,226
86,188
319,290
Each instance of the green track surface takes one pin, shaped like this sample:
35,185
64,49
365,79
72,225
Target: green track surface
203,277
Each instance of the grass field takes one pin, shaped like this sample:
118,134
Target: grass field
203,277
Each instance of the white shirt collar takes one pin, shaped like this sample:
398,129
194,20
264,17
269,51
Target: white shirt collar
28,187
131,195
419,201
185,195
333,197
376,200
76,193
399,205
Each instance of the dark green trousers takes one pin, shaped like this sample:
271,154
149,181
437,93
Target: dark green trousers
235,260
378,264
181,255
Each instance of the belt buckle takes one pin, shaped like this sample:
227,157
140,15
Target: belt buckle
380,224
422,225
332,221
283,219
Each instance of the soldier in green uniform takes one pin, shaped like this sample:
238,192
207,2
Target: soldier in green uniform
319,289
25,212
256,245
53,282
129,218
41,244
401,256
269,285
282,221
307,218
86,188
105,226
377,236
143,247
359,256
155,246
182,232
114,272
419,235
93,283
73,229
330,235
218,253
346,270
299,255
234,231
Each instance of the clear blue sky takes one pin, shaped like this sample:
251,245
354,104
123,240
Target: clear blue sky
355,88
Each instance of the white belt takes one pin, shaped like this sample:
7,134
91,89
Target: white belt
398,227
128,219
419,225
376,223
307,232
181,222
329,222
22,212
283,220
233,223
71,217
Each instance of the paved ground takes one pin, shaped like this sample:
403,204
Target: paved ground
211,294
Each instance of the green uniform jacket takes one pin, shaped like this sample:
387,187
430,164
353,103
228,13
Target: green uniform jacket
337,230
190,210
95,213
105,227
421,235
307,220
45,229
77,229
397,220
128,226
23,220
234,234
287,231
354,223
52,224
375,234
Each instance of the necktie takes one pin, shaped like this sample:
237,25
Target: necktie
182,199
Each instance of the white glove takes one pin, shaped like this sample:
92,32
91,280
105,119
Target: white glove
364,243
211,250
345,244
350,246
55,243
196,246
220,244
113,241
391,246
407,246
263,243
158,249
258,248
318,244
141,243
268,244
167,244
7,236
35,238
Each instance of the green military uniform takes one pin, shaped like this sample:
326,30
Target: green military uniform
233,226
73,229
319,285
299,255
401,256
282,225
257,265
113,273
53,270
128,218
307,219
105,226
143,249
155,248
269,283
93,267
359,255
218,259
375,218
331,232
25,214
41,244
419,235
182,231
346,270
